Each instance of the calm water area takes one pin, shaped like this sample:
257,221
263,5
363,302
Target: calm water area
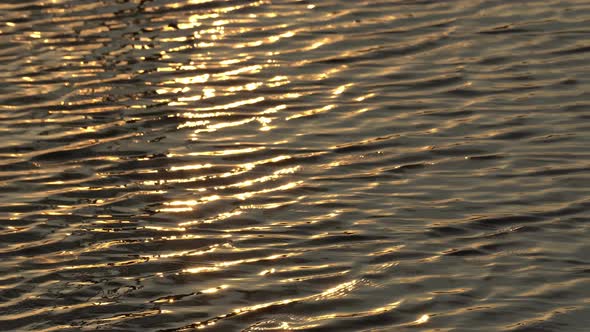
293,165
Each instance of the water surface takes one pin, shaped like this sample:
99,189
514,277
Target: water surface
291,165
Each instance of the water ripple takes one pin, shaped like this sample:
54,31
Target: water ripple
251,165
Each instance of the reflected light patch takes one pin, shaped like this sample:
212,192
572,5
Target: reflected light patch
183,253
274,109
228,74
339,90
220,265
187,205
367,96
268,40
278,81
246,195
219,217
194,202
423,319
246,87
264,123
276,175
321,42
215,127
225,152
228,62
193,80
375,311
179,209
232,105
269,271
192,124
190,167
311,112
214,289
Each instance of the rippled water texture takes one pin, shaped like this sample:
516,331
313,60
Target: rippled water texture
286,165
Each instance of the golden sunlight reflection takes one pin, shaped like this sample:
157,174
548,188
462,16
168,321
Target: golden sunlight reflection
339,90
422,320
225,152
315,44
172,299
292,164
218,217
214,95
235,104
269,206
332,293
276,175
311,112
268,40
217,266
364,97
246,195
375,311
190,167
187,205
183,253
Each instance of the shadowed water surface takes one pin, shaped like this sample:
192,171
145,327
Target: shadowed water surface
290,165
